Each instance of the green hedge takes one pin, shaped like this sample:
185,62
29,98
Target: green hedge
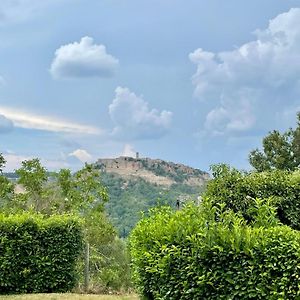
237,190
207,253
38,254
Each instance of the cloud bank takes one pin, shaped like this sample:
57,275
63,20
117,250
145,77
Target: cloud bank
134,119
27,120
83,59
6,125
248,86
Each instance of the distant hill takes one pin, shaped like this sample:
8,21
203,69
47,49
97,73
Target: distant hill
136,184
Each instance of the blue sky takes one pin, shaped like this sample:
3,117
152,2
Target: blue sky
195,82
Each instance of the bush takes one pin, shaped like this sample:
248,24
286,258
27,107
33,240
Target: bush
109,265
237,190
38,254
208,253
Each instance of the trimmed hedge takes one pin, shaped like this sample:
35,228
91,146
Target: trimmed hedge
207,253
237,190
38,254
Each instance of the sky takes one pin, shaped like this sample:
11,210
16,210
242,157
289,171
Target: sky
193,82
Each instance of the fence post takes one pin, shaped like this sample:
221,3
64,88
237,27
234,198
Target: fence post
87,267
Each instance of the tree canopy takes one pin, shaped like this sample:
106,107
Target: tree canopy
280,151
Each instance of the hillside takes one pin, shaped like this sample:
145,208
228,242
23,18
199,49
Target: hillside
136,184
155,171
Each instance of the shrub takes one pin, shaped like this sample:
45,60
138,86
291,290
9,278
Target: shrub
208,253
109,264
237,190
38,254
110,267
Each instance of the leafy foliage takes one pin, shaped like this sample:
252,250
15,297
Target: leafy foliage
39,254
2,163
84,191
237,190
51,193
207,252
280,151
109,259
84,195
6,187
110,266
32,175
129,197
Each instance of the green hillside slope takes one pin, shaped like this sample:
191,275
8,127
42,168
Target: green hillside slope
143,183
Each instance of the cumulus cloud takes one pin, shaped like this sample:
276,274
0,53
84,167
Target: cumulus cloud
14,161
134,119
83,59
6,125
255,79
82,155
33,121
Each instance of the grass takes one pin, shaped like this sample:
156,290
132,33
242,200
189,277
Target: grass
68,297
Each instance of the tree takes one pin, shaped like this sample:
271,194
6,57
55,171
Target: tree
63,192
280,151
33,177
6,187
83,191
2,163
83,194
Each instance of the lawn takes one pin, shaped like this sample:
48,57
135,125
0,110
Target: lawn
68,297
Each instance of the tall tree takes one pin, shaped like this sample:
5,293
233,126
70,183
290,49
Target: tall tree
2,163
6,187
33,177
280,151
82,191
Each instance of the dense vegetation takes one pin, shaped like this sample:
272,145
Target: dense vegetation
208,252
81,194
129,197
280,151
238,190
39,254
241,242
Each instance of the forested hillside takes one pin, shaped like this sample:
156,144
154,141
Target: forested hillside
135,185
129,197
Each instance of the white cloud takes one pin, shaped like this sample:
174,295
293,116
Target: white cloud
14,161
83,59
33,121
256,79
6,125
128,151
134,119
220,120
82,155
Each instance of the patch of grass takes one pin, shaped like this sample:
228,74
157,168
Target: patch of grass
69,297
